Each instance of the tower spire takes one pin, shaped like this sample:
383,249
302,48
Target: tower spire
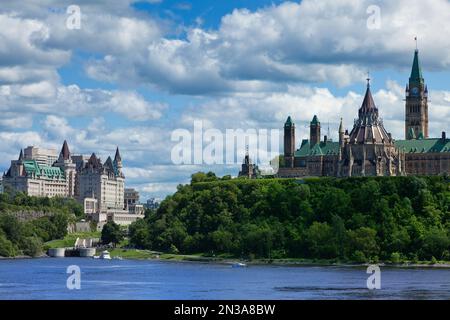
416,70
368,104
416,108
65,153
118,159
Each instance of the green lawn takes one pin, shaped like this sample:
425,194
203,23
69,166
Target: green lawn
132,253
69,239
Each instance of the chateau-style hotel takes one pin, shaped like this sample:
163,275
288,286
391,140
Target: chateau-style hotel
99,186
369,149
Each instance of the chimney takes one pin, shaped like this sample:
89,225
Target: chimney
443,135
325,138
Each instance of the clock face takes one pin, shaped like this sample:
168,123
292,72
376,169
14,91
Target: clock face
415,91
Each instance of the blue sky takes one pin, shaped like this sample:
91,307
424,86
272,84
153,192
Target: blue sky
138,70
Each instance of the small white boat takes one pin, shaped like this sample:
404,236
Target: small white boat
238,265
118,258
105,255
96,257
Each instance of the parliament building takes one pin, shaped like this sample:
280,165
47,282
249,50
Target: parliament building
369,149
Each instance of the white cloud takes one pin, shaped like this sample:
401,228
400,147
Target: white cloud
47,98
134,107
310,41
57,127
270,109
16,121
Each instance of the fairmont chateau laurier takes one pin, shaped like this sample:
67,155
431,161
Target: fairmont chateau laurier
369,149
99,186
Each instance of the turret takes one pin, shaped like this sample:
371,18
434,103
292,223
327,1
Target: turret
118,159
69,167
289,143
64,155
314,132
416,107
341,134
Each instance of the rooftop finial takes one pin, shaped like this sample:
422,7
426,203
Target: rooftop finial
417,47
368,79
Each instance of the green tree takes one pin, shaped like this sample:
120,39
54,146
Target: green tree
111,233
140,234
364,240
7,248
435,243
32,246
321,240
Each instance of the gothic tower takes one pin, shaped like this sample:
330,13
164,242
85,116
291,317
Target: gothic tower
369,149
416,110
289,143
117,163
314,131
66,164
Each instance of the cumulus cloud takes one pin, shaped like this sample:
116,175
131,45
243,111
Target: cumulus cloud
270,109
310,41
251,71
44,97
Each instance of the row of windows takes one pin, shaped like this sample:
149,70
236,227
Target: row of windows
414,109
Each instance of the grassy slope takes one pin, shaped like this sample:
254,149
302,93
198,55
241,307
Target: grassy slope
69,240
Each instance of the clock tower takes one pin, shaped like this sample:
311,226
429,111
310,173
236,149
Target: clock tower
416,110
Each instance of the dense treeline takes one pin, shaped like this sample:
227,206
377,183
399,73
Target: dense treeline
20,202
351,219
27,237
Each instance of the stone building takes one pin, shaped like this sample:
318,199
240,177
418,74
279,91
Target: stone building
103,181
132,203
35,179
369,150
44,157
248,169
99,186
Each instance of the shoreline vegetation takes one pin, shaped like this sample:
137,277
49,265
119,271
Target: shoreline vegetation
391,221
148,255
358,219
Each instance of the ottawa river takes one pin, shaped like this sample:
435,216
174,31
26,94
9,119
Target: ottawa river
133,279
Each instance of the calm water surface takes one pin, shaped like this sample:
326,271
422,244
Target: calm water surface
129,279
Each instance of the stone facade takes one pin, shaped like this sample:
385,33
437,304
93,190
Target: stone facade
103,181
71,176
35,179
369,150
249,169
99,186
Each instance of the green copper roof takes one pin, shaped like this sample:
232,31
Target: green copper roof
423,145
319,149
289,122
315,120
33,168
416,72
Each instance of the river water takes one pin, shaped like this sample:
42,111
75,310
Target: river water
46,278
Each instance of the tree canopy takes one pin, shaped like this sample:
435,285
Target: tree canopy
349,219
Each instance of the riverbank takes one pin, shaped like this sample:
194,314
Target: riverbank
136,254
199,258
